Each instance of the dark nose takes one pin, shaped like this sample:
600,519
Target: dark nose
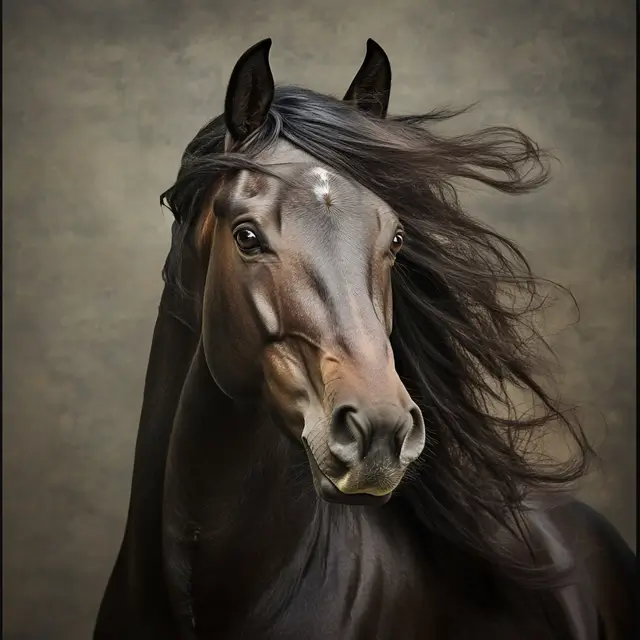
387,431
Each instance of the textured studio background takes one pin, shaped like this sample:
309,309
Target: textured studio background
100,99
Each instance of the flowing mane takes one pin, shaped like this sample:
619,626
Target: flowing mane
459,341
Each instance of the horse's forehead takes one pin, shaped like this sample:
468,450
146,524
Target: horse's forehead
323,184
327,193
317,185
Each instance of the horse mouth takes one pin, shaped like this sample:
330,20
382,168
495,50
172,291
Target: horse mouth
328,491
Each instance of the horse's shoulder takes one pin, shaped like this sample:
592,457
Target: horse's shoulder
586,529
603,560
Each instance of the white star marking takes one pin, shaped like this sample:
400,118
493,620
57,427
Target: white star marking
322,188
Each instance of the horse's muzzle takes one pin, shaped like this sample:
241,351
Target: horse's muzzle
367,452
327,490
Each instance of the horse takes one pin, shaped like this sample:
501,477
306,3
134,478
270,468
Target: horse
326,447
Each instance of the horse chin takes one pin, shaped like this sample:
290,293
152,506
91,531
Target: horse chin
328,491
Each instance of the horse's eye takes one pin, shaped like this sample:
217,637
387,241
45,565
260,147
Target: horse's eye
397,242
247,240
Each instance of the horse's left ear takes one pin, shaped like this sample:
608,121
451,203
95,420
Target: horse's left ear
250,92
371,87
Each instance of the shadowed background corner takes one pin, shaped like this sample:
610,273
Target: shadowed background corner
100,99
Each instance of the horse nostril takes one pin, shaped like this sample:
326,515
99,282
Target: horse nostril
401,434
411,437
349,436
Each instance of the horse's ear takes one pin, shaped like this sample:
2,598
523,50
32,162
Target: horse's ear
250,92
371,87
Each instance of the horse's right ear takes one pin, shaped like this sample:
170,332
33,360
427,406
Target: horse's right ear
250,92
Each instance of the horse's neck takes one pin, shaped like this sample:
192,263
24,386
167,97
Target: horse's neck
175,337
172,349
238,497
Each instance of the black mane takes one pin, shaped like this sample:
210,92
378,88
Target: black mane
460,341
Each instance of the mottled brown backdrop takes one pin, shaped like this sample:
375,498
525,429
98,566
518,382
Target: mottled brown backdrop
100,98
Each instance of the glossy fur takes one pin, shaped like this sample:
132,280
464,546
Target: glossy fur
316,456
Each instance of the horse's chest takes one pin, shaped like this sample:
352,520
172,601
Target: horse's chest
362,598
365,591
371,592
